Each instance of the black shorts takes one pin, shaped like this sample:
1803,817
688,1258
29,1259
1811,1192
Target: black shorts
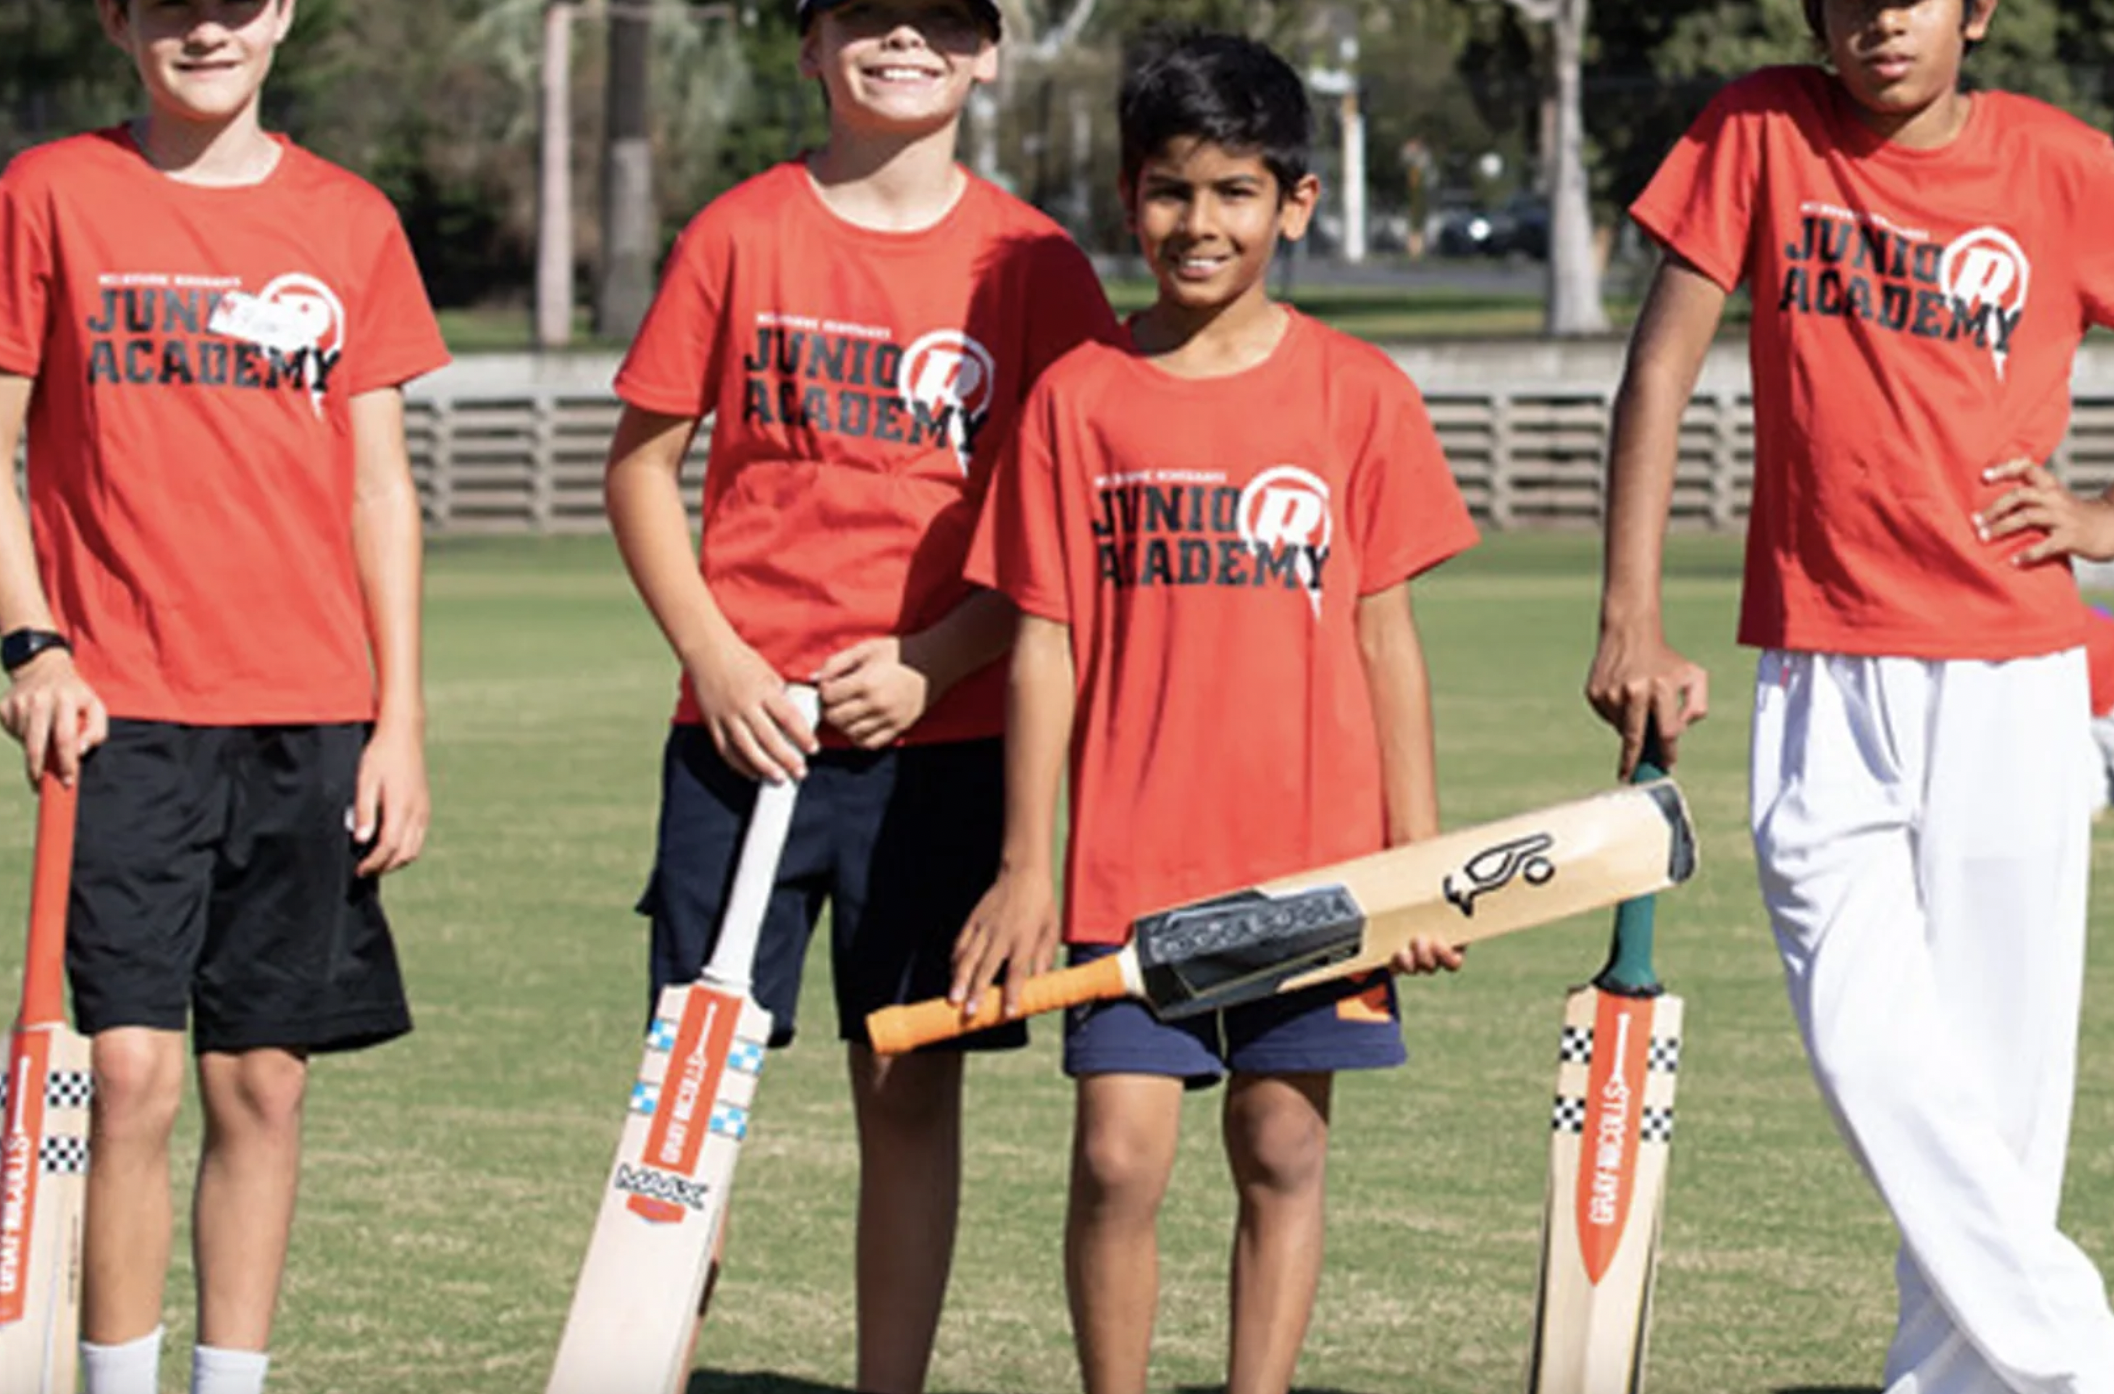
214,882
902,843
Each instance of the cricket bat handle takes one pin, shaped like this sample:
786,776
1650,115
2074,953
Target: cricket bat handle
1629,967
894,1030
44,970
756,869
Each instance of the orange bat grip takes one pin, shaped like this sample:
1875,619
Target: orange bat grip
894,1030
44,969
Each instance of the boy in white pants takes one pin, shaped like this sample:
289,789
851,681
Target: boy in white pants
1923,263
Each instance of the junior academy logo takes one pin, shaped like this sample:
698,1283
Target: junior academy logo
1177,527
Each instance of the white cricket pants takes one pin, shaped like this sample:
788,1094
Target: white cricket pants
1923,836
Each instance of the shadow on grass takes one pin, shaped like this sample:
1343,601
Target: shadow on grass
755,1382
760,1382
1830,1389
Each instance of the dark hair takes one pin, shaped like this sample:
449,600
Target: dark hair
1816,19
1222,88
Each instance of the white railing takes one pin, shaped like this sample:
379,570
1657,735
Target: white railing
515,444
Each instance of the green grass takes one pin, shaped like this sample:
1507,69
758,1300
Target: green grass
1375,313
451,1177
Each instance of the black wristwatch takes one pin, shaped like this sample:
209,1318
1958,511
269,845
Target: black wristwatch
19,646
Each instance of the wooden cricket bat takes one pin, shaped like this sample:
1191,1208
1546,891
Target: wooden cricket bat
1352,918
634,1312
44,1148
1611,1130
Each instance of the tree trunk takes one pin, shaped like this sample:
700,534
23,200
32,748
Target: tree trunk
1575,308
554,187
628,221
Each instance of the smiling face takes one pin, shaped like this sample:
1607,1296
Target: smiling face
1208,220
1900,61
201,61
901,66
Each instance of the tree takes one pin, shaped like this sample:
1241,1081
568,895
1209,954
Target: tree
1574,305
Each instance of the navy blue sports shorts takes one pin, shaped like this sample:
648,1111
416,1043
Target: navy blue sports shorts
1347,1025
900,843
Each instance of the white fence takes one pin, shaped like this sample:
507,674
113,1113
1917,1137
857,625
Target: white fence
515,444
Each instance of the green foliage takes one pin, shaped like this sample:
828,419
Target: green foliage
58,74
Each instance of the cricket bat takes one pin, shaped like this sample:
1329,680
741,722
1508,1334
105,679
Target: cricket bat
634,1311
1351,918
44,1150
1611,1128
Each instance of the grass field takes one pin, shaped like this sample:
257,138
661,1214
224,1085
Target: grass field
451,1177
1379,313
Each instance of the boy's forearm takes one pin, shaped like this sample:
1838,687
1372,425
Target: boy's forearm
1040,698
22,601
643,495
970,636
1666,354
388,554
1399,686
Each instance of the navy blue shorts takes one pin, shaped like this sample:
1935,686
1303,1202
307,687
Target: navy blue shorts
901,843
214,880
1347,1025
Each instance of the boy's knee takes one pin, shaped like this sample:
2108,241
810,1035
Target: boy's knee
138,1083
1119,1168
255,1090
909,1093
1283,1151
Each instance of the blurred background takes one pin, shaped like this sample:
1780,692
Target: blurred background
1456,136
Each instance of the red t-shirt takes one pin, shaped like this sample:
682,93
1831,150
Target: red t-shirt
190,443
861,382
1915,317
1207,541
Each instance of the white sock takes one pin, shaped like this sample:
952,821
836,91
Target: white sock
133,1367
217,1371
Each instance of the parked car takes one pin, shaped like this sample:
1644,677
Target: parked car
1521,228
1458,230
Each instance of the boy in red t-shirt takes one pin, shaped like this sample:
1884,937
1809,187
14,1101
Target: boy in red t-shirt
862,324
216,633
1210,534
1923,263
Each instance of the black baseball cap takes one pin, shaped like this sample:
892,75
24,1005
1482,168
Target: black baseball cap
985,11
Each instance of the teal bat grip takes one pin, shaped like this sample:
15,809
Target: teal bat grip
1629,967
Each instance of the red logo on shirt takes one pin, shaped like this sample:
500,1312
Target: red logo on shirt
945,370
1288,507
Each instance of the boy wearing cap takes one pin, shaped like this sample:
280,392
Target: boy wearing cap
216,632
862,323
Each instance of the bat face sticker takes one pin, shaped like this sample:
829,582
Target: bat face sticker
1493,868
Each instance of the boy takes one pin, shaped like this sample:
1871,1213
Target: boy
1226,511
1923,263
206,329
864,323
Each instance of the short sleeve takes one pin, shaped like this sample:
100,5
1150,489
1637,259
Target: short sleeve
25,277
1018,549
1700,204
1408,514
2093,251
1068,306
674,364
396,337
